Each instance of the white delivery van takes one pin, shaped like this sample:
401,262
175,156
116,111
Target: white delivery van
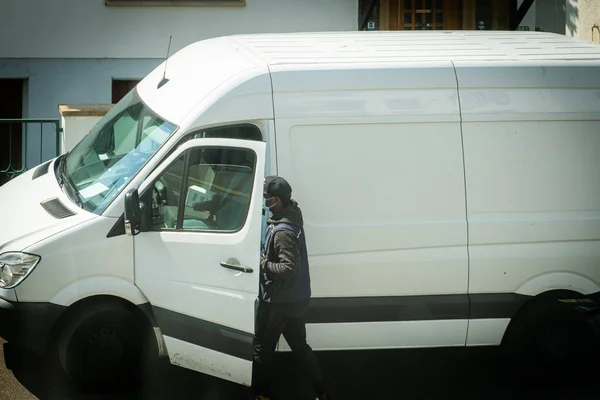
449,182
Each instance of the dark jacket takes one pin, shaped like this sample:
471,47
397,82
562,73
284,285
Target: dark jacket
285,275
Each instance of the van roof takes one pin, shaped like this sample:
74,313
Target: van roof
234,60
414,46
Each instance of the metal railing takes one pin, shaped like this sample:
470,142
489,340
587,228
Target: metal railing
22,144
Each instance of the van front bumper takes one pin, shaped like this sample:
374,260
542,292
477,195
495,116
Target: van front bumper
28,325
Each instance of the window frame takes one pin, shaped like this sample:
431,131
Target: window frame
183,193
194,131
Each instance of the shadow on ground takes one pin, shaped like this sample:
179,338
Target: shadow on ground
406,374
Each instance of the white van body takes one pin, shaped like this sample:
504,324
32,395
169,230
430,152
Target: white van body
446,179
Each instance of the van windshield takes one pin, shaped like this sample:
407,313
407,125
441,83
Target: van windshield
102,164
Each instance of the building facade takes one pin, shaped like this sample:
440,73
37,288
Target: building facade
578,18
444,14
93,51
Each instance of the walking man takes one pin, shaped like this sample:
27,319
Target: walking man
284,290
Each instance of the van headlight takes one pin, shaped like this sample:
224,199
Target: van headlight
15,266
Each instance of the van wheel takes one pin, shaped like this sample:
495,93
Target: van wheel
548,340
101,348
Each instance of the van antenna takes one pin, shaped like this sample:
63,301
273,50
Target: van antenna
164,79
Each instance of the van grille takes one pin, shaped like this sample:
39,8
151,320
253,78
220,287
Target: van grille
56,208
41,170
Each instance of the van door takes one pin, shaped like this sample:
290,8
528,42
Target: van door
197,262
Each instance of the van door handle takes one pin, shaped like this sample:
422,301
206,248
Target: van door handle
235,265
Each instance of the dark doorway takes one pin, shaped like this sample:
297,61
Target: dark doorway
120,87
11,139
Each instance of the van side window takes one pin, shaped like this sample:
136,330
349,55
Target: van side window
215,195
245,132
164,197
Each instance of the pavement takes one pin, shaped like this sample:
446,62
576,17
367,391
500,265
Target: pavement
10,388
403,374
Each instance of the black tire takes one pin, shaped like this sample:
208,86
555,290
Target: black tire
548,343
101,348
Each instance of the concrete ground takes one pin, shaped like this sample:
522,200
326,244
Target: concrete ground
407,374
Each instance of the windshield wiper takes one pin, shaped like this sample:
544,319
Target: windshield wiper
64,178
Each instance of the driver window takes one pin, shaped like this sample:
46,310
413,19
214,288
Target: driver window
165,196
245,132
216,192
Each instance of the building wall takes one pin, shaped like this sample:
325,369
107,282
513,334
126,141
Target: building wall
530,18
582,17
70,50
66,81
551,16
90,29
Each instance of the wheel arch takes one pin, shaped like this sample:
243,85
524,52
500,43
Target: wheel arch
534,303
94,286
143,313
558,281
546,288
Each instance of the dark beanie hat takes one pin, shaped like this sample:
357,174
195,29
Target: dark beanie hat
276,186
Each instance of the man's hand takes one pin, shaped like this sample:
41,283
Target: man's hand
202,206
209,205
263,262
289,259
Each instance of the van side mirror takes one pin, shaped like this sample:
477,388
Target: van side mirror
132,212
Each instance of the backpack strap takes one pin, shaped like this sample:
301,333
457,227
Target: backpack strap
289,227
278,227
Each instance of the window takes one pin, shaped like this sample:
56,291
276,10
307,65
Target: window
124,140
484,15
116,148
244,132
175,2
208,189
423,14
164,197
120,88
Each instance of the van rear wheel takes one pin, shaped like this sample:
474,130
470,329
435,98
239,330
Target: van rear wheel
548,341
101,348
